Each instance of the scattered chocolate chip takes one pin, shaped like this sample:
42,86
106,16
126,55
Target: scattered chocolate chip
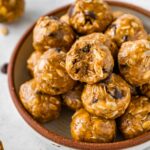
86,48
77,70
4,68
54,17
58,49
70,11
125,38
115,93
95,100
90,14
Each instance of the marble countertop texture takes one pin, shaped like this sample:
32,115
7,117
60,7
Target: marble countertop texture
15,133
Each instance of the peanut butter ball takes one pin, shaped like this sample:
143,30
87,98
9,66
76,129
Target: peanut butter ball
72,98
42,107
50,73
108,99
88,16
134,62
89,59
126,28
136,119
50,32
10,10
88,128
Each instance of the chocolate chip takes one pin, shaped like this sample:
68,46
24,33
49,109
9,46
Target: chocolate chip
58,49
115,93
125,38
70,11
88,20
86,49
52,34
4,68
104,70
90,14
95,100
77,70
74,61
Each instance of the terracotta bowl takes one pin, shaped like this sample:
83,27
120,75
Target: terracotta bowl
58,131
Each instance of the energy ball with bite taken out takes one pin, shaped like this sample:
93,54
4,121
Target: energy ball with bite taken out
126,28
42,107
136,119
108,99
50,32
88,128
10,10
145,90
32,61
134,62
88,16
89,59
72,98
50,73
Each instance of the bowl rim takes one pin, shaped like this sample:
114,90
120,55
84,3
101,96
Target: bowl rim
50,134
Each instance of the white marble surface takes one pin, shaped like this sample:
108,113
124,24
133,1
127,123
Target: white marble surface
14,131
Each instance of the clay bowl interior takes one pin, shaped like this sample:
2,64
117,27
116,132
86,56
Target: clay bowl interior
59,130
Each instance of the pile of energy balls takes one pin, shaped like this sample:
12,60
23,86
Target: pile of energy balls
96,62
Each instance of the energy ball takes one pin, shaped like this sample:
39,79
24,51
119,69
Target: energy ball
50,32
126,28
50,73
134,62
136,120
10,10
88,128
65,18
72,98
89,59
108,99
42,107
32,60
88,16
145,90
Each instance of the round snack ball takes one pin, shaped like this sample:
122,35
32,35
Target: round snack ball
51,75
145,90
89,59
10,10
88,128
50,32
32,60
42,107
65,18
126,28
134,62
136,119
72,98
88,16
108,99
